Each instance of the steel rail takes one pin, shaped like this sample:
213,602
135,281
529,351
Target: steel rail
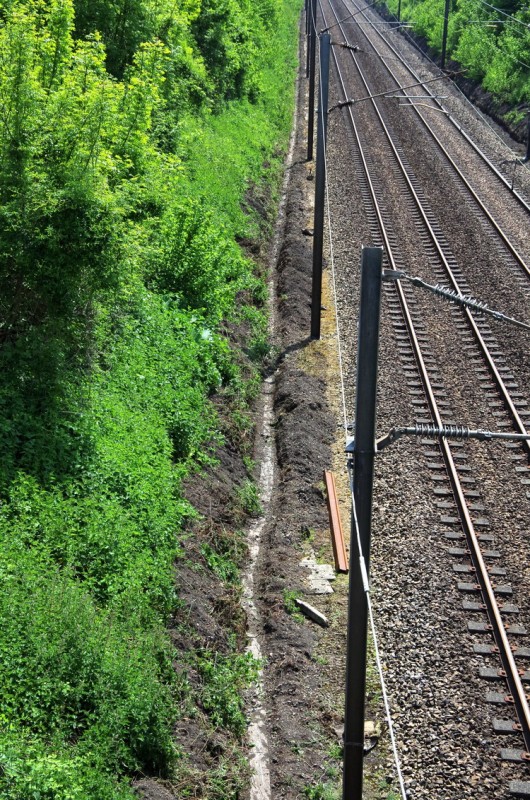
512,676
488,162
505,394
496,226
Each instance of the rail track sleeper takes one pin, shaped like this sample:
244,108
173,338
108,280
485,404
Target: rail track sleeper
519,788
479,627
522,652
492,674
509,608
505,726
470,605
496,698
516,630
484,649
472,588
511,754
504,590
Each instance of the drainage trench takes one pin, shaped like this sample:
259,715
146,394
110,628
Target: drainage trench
256,708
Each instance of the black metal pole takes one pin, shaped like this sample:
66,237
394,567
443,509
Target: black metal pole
312,60
363,484
399,11
444,35
320,185
527,157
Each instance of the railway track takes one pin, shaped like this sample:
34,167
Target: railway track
402,73
402,220
506,203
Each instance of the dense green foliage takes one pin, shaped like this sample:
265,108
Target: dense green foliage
133,135
491,40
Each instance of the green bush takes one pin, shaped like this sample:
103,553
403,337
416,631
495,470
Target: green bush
30,769
120,280
70,672
493,48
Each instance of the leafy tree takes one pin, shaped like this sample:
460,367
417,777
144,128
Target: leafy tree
224,36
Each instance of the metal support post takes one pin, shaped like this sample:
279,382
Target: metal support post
399,11
363,484
527,157
320,185
444,35
312,60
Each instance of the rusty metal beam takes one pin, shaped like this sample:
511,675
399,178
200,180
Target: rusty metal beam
335,524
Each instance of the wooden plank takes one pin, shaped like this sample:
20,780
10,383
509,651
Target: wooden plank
337,535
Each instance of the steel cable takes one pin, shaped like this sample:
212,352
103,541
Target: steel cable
366,587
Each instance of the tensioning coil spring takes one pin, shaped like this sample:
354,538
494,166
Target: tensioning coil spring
450,431
460,299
